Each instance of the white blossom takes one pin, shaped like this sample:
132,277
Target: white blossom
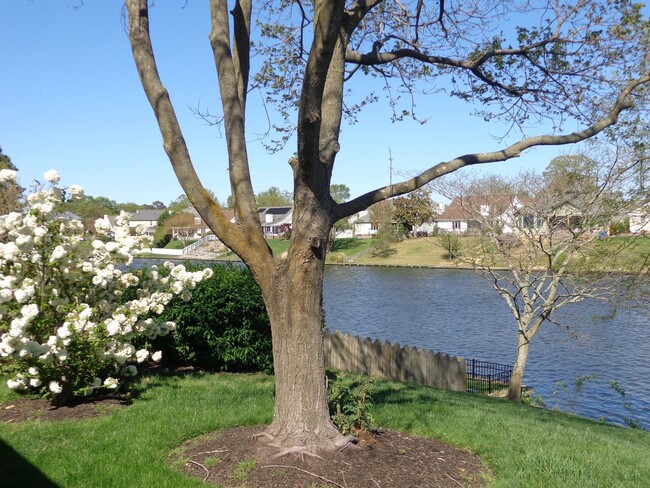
141,355
156,356
7,175
52,176
76,191
55,387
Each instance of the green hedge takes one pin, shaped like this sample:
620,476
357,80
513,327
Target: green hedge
224,327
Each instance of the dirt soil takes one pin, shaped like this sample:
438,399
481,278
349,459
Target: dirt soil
234,458
384,458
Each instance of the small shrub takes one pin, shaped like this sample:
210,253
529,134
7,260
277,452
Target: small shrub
226,326
350,400
620,227
451,243
383,240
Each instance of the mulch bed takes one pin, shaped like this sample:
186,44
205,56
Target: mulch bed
382,458
233,458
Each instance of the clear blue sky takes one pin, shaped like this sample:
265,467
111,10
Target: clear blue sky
70,100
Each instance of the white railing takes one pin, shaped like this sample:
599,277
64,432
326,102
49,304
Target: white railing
195,245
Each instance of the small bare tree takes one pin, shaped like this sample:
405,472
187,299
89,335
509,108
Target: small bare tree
538,242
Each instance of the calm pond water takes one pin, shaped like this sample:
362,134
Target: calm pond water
459,313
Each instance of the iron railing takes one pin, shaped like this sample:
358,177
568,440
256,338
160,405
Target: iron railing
486,377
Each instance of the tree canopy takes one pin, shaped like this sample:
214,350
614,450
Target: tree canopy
274,197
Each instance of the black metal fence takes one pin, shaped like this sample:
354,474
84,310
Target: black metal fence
485,377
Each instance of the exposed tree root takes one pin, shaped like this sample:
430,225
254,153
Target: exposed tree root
207,471
302,451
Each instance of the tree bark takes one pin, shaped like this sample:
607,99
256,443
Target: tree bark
514,391
301,419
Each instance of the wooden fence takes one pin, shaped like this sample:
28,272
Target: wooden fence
364,356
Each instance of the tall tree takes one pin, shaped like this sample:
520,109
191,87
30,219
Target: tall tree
414,209
274,197
566,58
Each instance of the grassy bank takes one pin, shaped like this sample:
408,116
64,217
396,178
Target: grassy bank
523,446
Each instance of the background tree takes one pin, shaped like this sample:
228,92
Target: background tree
340,192
182,202
158,205
541,254
572,176
553,68
89,209
10,191
414,209
183,227
179,204
163,233
130,207
274,197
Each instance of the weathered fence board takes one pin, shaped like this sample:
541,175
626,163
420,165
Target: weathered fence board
363,356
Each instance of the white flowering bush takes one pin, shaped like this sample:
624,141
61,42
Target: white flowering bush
66,326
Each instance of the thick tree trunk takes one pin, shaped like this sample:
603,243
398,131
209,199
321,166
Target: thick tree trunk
301,420
514,391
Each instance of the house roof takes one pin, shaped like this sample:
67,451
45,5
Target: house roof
274,210
67,216
147,214
278,214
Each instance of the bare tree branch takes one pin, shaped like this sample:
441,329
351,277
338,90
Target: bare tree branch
622,103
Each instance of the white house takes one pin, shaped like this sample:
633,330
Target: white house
275,220
639,219
468,214
360,226
146,218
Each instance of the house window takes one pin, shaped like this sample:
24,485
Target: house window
455,225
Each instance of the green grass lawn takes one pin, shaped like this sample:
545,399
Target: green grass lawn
523,446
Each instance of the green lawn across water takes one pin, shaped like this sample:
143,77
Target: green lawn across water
522,445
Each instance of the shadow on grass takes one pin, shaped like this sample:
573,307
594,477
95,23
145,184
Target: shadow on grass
17,471
162,376
344,244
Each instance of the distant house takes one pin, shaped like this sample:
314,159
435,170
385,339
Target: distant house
639,219
146,218
468,214
275,220
360,226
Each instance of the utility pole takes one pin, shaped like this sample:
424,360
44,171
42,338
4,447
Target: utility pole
390,171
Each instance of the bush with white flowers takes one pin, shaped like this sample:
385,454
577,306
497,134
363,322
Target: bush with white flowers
66,327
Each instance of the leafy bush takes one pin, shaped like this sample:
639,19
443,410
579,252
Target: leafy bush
226,326
66,326
350,400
